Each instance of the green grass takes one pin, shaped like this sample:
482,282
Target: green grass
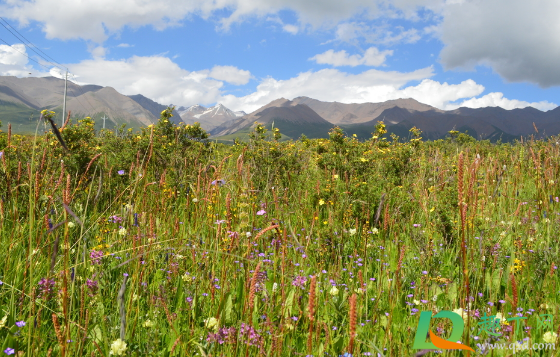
220,243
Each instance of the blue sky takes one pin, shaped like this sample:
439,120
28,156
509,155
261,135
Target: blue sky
246,53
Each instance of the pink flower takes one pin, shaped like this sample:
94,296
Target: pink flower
262,212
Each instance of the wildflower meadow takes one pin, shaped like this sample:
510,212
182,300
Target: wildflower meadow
162,242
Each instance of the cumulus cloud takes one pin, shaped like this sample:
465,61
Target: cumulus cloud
519,40
14,61
329,85
96,20
230,74
156,77
293,29
372,57
496,99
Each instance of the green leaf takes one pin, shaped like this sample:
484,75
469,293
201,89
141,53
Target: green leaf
228,309
289,303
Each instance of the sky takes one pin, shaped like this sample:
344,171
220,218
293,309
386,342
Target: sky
247,53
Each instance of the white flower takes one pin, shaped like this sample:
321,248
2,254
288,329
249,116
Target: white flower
122,231
274,287
148,323
550,337
211,323
375,230
352,231
333,291
71,225
416,302
195,200
118,347
248,234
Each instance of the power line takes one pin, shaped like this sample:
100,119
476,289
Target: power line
32,48
25,54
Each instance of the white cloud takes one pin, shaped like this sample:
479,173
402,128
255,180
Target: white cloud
293,29
354,32
96,20
124,45
440,94
98,51
329,85
156,77
518,39
496,99
372,57
13,61
230,74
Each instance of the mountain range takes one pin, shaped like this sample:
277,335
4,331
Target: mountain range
22,99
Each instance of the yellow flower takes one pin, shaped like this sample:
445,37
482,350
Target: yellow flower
148,323
3,321
118,347
333,291
211,323
321,202
461,313
550,337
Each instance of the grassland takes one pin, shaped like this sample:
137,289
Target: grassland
159,243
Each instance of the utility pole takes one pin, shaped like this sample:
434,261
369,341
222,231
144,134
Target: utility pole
104,118
64,103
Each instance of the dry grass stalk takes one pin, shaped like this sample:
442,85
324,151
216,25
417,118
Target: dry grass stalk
253,287
91,163
514,291
311,311
353,321
269,228
175,345
59,335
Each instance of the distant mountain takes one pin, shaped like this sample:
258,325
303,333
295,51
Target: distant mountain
341,113
22,99
155,108
291,118
209,118
301,116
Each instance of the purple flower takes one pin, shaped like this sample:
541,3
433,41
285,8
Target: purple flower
219,182
262,212
252,338
92,286
120,172
96,256
46,288
424,272
9,351
416,225
20,323
299,281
